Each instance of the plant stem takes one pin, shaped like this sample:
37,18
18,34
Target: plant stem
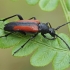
66,12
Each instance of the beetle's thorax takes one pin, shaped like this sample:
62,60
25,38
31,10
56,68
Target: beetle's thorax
43,28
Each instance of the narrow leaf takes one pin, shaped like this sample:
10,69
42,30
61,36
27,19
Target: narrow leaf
68,4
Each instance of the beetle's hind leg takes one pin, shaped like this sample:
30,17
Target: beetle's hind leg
26,42
19,16
6,35
11,33
22,32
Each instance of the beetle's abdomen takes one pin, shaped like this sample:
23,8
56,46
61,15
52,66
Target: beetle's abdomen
9,26
21,26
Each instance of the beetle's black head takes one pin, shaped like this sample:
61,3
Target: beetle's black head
52,32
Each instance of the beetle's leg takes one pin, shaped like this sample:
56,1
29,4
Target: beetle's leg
11,33
26,43
19,16
33,18
6,35
49,24
47,38
22,32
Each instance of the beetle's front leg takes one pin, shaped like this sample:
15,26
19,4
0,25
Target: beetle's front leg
48,38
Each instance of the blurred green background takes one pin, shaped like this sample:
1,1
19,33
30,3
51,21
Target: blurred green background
8,8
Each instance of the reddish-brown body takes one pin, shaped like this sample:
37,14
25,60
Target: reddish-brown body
24,25
26,28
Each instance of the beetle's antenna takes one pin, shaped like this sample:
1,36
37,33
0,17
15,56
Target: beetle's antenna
62,25
63,41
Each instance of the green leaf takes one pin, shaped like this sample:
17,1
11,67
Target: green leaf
61,61
45,52
66,39
42,56
32,2
28,48
68,4
31,46
48,5
62,58
50,50
10,41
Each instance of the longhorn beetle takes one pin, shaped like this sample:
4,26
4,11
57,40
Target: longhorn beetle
33,26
